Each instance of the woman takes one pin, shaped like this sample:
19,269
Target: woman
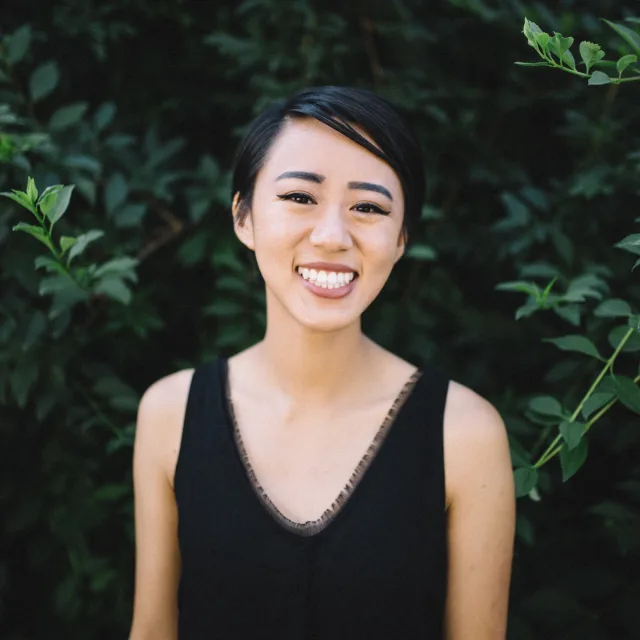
316,485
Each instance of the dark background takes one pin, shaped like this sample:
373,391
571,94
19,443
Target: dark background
531,174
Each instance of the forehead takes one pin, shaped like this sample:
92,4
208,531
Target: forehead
309,145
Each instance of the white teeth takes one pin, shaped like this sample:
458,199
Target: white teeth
326,279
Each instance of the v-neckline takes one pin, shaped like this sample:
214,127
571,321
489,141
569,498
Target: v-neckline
310,528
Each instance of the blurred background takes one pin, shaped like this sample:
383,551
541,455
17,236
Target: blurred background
532,175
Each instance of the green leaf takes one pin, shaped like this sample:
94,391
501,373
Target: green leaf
224,308
421,252
625,62
628,35
67,116
55,284
530,30
43,80
22,379
82,242
596,401
37,232
559,45
82,162
63,197
527,310
598,77
123,267
572,433
37,325
591,53
616,335
628,392
21,198
576,343
636,264
115,288
546,405
65,291
49,264
614,308
568,59
542,40
521,286
104,115
630,243
572,459
570,313
48,198
130,215
525,480
115,193
547,289
66,242
32,191
19,42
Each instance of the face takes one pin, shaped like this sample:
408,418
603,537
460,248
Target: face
325,225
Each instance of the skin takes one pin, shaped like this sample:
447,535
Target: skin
328,388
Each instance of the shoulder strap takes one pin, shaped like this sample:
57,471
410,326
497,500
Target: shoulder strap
423,430
198,421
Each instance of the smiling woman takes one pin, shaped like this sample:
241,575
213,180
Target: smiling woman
316,485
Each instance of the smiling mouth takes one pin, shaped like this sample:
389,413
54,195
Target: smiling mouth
326,279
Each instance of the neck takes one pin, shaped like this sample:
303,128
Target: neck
313,366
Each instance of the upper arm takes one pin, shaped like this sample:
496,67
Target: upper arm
481,519
157,564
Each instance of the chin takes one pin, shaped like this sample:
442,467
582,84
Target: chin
326,323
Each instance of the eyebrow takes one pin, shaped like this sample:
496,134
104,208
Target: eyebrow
370,186
301,175
318,179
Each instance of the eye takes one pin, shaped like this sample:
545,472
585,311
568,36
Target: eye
369,207
297,197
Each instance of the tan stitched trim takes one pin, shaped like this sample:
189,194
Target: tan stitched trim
312,527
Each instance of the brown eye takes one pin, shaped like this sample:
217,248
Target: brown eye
298,198
369,207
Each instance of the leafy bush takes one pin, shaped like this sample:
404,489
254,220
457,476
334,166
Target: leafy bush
532,179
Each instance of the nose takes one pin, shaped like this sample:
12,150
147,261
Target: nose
331,231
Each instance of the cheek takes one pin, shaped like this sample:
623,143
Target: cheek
381,248
276,236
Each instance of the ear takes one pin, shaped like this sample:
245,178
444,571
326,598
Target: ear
243,228
402,244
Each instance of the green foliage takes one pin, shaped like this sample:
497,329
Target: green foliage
556,52
126,268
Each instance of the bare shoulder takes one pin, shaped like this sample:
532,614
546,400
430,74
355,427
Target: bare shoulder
160,419
469,415
475,437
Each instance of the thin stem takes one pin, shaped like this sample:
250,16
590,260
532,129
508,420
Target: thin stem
553,448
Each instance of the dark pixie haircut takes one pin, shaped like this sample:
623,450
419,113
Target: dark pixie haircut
339,108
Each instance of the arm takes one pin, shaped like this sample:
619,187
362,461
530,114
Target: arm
481,518
157,565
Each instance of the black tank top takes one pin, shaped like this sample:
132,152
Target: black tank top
373,566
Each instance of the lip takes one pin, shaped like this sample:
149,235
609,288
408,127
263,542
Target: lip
328,266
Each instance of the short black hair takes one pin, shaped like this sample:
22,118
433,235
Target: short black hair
339,108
